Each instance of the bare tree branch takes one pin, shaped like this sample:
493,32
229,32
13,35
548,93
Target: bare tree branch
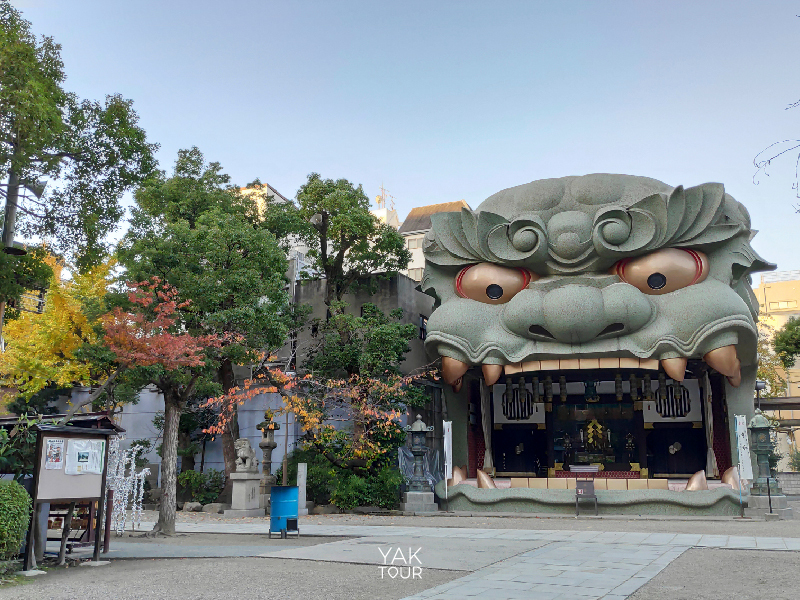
92,397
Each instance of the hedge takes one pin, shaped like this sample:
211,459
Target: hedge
15,515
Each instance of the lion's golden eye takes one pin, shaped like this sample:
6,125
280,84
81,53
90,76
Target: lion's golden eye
663,271
492,284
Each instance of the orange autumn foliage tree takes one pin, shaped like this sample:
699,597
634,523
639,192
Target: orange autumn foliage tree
348,420
150,342
145,336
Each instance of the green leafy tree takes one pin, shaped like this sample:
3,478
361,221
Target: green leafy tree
18,448
787,342
769,363
196,232
346,242
89,153
371,345
21,274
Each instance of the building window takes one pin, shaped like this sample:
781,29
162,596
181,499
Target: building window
415,274
414,243
423,327
783,304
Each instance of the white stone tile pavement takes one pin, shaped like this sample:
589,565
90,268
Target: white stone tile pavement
573,565
633,540
544,574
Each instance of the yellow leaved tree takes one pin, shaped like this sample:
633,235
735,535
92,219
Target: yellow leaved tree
43,349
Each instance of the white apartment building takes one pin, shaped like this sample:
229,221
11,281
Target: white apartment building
414,228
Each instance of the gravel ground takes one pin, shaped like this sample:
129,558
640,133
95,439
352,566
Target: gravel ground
726,574
721,526
201,579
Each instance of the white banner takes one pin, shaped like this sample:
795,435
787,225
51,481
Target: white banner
447,431
743,443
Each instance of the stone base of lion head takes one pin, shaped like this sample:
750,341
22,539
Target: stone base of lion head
245,456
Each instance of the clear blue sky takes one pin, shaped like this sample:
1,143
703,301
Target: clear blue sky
448,100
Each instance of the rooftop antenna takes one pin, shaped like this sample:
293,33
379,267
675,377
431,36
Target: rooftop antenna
381,198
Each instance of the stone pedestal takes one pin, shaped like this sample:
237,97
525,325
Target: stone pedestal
758,506
302,477
245,498
418,502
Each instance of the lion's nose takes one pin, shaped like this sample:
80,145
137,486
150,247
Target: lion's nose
575,314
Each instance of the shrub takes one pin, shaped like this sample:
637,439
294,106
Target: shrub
794,459
203,487
351,491
321,478
328,483
385,487
15,515
381,489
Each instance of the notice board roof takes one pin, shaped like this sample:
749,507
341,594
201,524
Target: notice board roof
69,429
99,420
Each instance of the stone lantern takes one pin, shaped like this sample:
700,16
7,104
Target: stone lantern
766,496
419,498
419,448
267,445
761,445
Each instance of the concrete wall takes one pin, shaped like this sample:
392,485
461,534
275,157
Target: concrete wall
397,292
790,483
137,420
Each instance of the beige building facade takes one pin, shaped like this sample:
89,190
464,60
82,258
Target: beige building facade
778,296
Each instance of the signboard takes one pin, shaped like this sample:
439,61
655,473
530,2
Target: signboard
447,432
70,467
743,444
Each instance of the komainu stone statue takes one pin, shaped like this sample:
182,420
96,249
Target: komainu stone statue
245,457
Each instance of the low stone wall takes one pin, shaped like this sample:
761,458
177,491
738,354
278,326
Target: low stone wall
717,502
790,483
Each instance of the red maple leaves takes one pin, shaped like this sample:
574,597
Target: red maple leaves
151,334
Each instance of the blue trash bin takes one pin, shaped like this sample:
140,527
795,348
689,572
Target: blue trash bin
283,509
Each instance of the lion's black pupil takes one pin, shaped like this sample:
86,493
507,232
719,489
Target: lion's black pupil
494,291
656,281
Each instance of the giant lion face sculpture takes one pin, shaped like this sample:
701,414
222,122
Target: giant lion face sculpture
600,268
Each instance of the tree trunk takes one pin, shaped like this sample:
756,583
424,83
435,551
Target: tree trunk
230,435
169,466
9,220
12,197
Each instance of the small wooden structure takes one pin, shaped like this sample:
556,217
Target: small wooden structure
71,466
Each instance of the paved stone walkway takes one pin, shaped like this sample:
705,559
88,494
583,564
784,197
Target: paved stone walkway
501,564
562,571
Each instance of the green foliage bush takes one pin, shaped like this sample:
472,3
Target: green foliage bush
382,489
327,483
15,514
203,487
321,476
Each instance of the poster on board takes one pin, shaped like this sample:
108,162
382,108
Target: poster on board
85,456
54,454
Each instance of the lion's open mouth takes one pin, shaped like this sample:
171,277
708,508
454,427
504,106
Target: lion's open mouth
725,360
